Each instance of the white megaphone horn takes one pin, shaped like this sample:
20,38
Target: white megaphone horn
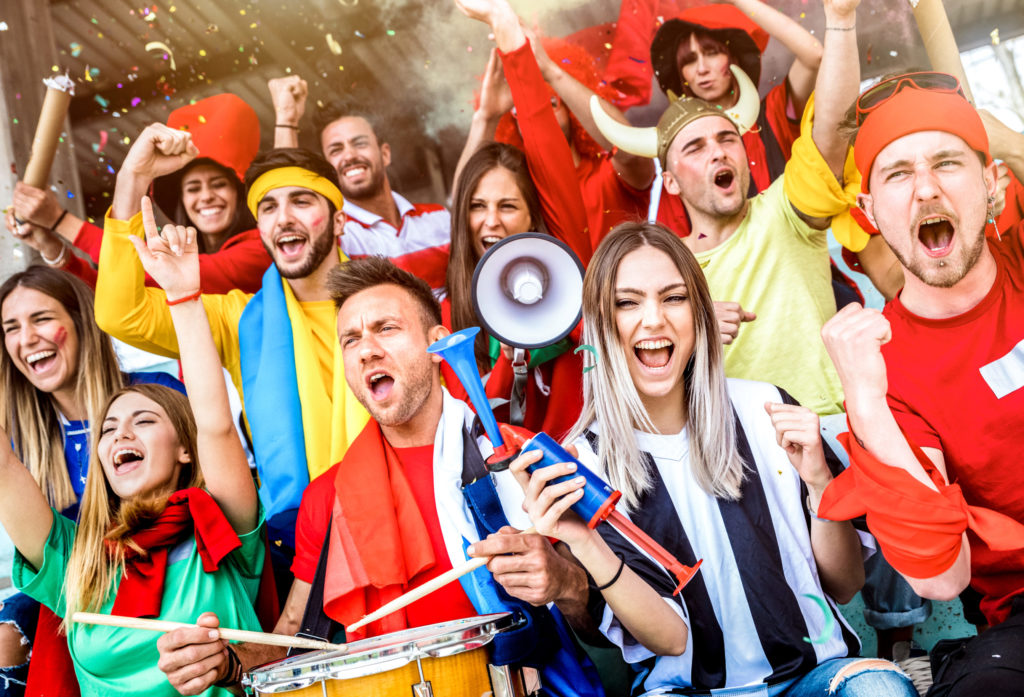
528,290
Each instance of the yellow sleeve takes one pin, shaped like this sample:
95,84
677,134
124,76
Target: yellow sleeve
812,187
128,310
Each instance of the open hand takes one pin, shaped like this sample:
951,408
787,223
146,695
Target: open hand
170,256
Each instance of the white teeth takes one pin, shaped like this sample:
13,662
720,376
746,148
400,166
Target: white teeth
39,355
209,212
119,455
377,376
655,344
289,238
932,221
355,171
491,239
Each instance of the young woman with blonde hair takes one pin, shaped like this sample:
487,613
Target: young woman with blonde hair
57,370
728,471
169,521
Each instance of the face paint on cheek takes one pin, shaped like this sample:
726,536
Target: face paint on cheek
60,337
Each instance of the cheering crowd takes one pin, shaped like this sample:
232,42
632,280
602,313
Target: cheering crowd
726,350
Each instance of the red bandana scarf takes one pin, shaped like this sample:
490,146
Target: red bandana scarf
188,512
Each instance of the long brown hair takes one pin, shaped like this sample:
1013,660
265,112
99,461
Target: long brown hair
610,397
31,417
463,258
107,523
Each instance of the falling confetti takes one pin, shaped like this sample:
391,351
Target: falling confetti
98,147
76,49
830,621
101,101
161,46
333,45
593,351
3,26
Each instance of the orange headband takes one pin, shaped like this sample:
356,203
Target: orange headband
912,110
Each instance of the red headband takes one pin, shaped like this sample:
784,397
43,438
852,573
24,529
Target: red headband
912,110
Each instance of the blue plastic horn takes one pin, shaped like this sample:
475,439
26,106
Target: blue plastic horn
457,350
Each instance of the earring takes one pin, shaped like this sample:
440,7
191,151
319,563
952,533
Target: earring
992,218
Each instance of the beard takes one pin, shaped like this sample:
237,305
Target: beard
416,390
320,246
365,190
929,272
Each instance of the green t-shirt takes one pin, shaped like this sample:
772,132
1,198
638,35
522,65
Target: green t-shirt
116,661
778,266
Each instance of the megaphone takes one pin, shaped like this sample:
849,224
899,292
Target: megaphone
528,290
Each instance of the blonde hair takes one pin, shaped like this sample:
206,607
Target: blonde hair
106,522
31,417
610,397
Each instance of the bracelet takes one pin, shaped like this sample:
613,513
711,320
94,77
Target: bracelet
234,674
854,28
61,258
622,565
285,125
60,219
194,296
812,511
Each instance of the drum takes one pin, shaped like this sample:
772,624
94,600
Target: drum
447,659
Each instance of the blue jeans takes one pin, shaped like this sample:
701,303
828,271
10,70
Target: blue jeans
21,612
873,680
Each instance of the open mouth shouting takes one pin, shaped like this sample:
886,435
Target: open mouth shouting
41,361
724,179
654,355
489,241
380,385
935,232
291,246
126,459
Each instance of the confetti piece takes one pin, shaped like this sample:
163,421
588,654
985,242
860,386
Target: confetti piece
360,34
151,17
333,45
830,621
593,351
3,26
391,32
101,101
76,49
202,52
202,119
994,35
98,147
608,46
161,46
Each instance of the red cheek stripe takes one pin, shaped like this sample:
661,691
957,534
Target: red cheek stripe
60,337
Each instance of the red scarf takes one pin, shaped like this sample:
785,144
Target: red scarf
378,538
189,511
919,529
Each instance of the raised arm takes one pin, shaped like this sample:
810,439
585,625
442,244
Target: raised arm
171,257
288,95
838,82
805,48
495,100
24,512
634,170
853,338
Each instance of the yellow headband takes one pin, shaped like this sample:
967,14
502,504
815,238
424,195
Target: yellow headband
292,176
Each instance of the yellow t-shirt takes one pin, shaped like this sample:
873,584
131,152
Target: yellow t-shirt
323,320
778,266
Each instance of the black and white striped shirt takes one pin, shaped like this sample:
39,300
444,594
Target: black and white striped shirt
746,609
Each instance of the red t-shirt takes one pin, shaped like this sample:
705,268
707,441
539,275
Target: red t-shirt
447,603
608,199
955,384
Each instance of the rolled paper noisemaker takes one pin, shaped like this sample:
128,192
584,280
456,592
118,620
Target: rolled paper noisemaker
59,91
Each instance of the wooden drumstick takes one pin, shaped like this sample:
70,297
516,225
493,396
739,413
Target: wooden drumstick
291,642
424,590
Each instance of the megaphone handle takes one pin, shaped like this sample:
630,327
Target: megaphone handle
517,400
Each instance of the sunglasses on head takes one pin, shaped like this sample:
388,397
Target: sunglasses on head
886,89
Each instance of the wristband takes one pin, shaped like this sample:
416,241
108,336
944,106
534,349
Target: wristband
622,565
194,296
61,258
840,28
285,125
234,673
60,219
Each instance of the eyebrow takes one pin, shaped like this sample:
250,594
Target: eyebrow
135,413
34,315
375,324
665,289
935,157
717,134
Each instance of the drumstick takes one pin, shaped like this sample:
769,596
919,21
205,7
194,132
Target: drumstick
292,642
424,590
